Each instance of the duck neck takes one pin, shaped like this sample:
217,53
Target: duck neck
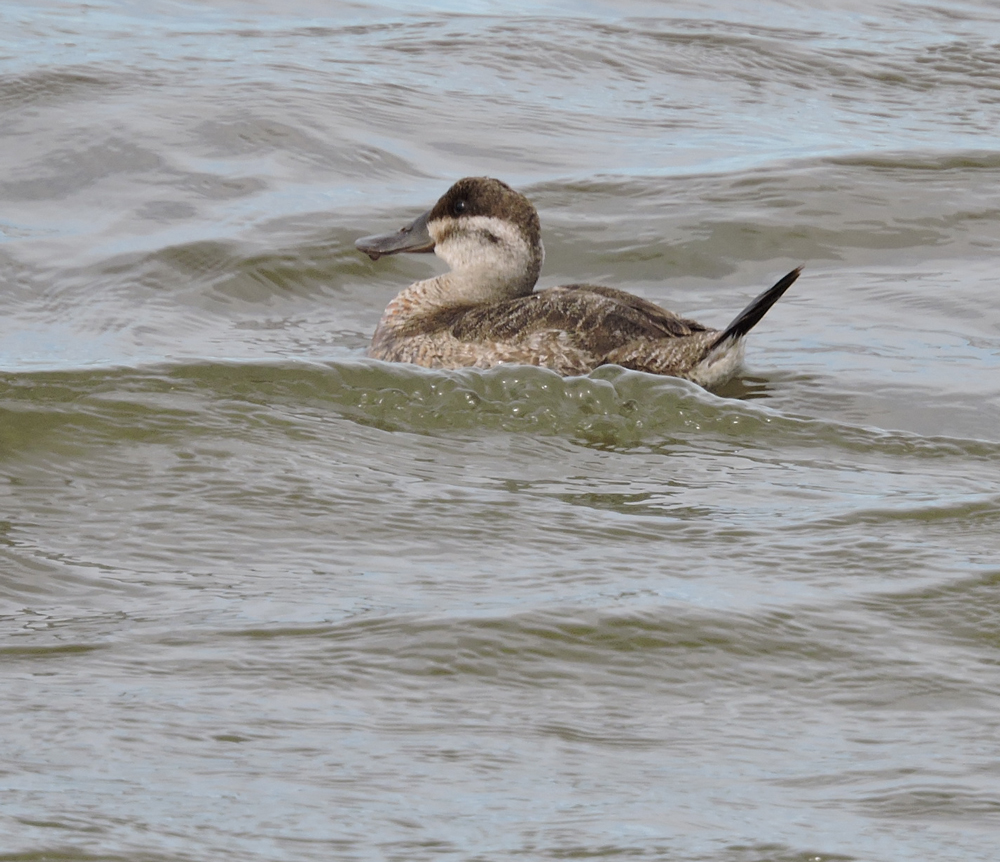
458,289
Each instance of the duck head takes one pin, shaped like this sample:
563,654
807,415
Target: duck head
487,233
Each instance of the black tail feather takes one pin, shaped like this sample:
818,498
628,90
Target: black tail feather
751,315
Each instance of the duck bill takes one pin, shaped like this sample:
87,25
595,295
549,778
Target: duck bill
414,237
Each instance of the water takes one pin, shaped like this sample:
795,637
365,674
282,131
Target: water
264,599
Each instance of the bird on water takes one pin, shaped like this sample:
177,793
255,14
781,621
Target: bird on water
485,311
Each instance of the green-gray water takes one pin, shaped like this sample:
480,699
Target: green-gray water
265,600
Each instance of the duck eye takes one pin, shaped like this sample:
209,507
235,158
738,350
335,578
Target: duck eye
459,206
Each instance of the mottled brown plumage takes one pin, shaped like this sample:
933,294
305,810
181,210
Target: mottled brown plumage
485,311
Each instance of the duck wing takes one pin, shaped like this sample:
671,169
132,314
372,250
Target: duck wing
596,318
666,322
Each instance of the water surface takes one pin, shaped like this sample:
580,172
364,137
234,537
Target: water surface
262,598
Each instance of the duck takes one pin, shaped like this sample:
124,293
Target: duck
485,311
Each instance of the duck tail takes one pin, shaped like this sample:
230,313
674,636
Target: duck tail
751,315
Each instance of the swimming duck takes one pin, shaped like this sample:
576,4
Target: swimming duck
485,311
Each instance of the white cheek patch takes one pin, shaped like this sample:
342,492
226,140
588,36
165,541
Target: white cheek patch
480,242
